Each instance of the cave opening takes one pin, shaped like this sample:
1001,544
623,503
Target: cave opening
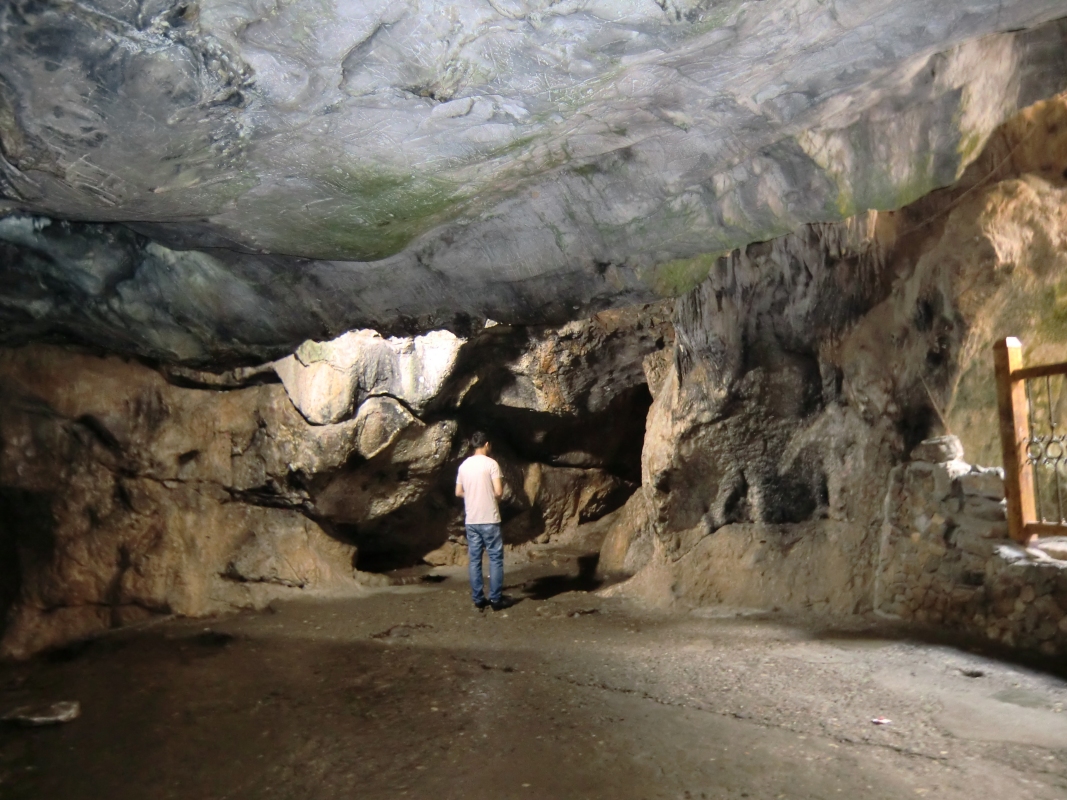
563,468
609,438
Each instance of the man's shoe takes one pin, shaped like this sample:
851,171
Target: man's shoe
502,603
481,604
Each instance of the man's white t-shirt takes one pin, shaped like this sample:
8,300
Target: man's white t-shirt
476,477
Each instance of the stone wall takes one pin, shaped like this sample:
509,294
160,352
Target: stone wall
945,559
807,367
820,567
123,497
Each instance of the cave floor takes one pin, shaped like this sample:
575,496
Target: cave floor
410,693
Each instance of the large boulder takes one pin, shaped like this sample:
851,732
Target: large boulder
298,556
628,542
396,476
327,381
821,567
545,502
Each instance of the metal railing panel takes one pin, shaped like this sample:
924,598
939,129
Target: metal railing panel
1032,411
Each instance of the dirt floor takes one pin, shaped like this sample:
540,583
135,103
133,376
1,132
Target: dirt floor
411,693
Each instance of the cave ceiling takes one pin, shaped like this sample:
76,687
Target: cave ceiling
213,182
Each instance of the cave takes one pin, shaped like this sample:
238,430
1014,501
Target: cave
720,283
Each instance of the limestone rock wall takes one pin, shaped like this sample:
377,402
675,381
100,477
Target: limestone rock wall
821,567
128,492
328,381
941,558
807,368
945,559
122,496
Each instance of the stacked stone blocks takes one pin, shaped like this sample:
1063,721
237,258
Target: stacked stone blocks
945,558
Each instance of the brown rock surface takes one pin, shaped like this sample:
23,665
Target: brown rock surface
397,476
629,542
574,396
121,496
806,367
823,567
127,493
553,501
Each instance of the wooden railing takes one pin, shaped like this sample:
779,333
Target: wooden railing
1035,454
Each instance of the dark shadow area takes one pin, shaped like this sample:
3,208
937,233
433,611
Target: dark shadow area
548,586
610,438
26,540
70,652
399,540
10,575
213,640
917,423
237,378
205,642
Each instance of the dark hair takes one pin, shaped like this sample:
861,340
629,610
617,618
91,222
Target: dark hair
479,439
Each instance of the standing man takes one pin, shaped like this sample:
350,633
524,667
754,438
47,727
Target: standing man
480,485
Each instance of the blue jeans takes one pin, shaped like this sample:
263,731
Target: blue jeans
486,537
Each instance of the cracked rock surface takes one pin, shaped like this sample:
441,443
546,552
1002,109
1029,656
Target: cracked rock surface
127,493
805,368
243,175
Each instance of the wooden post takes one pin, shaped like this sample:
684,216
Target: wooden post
1014,433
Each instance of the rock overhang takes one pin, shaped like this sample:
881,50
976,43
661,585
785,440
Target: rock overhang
248,175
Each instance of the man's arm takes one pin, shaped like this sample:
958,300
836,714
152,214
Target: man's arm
459,489
498,487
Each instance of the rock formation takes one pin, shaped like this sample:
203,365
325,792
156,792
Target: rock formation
779,396
217,182
122,496
806,368
126,493
328,381
254,261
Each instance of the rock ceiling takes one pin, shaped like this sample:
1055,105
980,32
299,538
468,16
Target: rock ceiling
213,182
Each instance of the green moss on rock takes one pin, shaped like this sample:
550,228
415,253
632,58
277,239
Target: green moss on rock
369,215
675,278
